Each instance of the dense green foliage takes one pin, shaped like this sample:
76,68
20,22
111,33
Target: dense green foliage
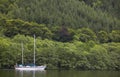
71,13
71,34
74,55
111,6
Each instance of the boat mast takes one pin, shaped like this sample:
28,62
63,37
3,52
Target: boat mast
34,49
22,53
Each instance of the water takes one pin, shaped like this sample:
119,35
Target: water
57,73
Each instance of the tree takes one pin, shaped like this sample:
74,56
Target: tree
98,57
115,36
63,35
86,34
103,37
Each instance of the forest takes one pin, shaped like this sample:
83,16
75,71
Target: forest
70,34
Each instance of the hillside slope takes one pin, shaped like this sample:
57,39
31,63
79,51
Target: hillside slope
71,13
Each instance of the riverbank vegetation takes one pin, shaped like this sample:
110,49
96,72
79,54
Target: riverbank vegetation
70,34
58,55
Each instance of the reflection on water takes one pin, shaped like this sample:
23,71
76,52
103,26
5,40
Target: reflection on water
29,73
75,73
58,73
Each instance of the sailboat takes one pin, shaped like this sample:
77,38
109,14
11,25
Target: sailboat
28,67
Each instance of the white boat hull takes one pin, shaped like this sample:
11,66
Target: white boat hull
41,68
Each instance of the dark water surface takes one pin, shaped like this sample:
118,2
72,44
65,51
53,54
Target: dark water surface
57,73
